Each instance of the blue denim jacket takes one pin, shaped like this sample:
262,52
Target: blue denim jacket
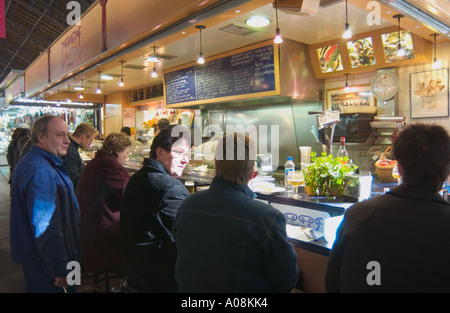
44,213
229,242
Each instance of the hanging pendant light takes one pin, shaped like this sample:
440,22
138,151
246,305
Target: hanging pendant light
68,93
347,33
400,51
347,88
121,84
154,74
98,90
200,59
278,39
436,64
80,96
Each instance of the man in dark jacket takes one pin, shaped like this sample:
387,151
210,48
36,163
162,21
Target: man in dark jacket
82,138
400,241
226,240
44,211
151,201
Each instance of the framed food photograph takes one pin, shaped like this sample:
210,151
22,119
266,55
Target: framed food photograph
354,99
429,94
361,52
329,59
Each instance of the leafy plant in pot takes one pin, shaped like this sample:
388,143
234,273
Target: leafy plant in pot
326,175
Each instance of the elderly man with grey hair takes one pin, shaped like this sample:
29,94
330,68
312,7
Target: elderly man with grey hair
44,210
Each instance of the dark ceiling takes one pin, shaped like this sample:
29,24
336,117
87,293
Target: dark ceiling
31,27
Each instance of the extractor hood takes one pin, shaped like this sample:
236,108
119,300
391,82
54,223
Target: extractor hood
432,13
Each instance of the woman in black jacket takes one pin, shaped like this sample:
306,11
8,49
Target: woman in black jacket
151,201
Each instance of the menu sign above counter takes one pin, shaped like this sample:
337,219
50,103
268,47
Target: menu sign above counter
243,74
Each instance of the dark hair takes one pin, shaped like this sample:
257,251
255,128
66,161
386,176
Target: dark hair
126,130
423,152
165,139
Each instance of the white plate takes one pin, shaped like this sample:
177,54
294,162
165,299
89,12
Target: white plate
274,190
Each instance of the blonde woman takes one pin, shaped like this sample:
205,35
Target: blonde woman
99,193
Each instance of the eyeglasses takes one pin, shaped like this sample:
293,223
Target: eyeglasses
180,153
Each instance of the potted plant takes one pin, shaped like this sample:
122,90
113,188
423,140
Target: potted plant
326,175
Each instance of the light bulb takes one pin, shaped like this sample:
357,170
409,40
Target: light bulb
278,38
200,59
436,64
347,33
121,84
400,51
80,96
153,74
98,91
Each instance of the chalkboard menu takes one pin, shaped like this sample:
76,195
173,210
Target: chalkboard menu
244,73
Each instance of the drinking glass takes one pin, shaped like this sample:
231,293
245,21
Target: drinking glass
295,179
396,174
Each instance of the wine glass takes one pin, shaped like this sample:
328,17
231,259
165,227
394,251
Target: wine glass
295,179
396,174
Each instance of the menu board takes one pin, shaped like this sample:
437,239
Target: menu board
248,72
330,59
361,52
390,44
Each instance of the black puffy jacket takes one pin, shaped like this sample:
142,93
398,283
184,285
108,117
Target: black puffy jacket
151,201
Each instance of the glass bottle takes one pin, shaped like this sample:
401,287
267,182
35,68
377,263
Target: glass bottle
342,151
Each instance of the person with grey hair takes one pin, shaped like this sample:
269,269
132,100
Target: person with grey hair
45,216
226,240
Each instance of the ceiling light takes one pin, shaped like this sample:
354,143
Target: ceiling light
436,64
400,51
257,21
347,33
68,93
98,90
200,59
121,84
347,88
278,39
153,58
107,77
154,74
78,87
80,96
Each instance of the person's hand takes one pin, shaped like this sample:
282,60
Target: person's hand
60,282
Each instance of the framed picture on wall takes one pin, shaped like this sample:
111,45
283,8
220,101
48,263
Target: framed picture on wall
354,99
429,94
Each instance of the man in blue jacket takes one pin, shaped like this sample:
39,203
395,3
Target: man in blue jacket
226,240
44,210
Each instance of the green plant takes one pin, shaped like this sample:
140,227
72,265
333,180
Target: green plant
327,174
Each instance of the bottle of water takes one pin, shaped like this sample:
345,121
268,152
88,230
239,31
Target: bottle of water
289,166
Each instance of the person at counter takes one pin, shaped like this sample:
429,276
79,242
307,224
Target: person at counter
127,130
151,201
226,240
82,138
100,193
400,241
